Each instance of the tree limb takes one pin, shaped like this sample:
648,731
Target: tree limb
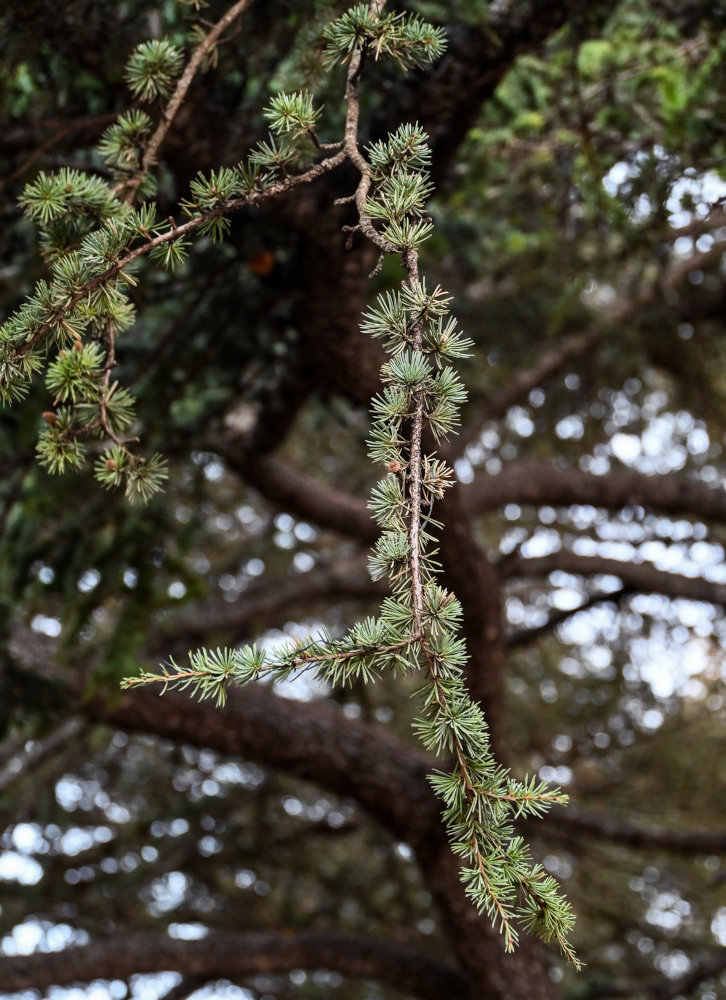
525,636
520,482
235,955
469,573
285,486
665,988
538,483
169,236
309,740
556,356
641,577
569,824
68,729
263,604
550,362
447,99
63,130
315,742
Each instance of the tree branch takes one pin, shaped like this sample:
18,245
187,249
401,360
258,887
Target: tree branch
309,740
525,636
265,603
550,362
63,130
469,573
555,357
520,482
642,577
545,483
131,185
235,956
315,742
447,99
174,233
292,490
69,729
570,824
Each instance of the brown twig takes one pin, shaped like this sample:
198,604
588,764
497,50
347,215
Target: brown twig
175,233
350,143
131,185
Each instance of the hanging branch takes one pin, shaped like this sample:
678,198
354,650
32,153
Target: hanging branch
418,623
92,240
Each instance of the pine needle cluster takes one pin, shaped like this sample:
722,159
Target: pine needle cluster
417,629
152,69
93,241
75,317
409,40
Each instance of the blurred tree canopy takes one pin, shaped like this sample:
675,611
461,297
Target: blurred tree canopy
289,844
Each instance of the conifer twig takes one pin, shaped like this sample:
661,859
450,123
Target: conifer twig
479,846
130,186
350,142
174,233
419,622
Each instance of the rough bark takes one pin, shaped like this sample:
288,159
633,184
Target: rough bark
313,741
470,575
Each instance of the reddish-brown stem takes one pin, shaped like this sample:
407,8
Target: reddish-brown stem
131,185
176,232
410,262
